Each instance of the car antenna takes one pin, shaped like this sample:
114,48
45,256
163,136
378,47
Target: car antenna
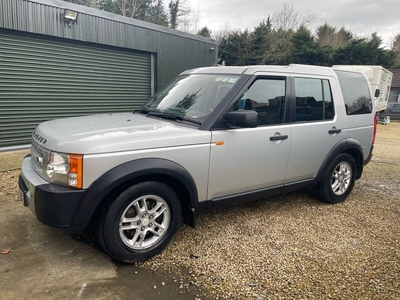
219,57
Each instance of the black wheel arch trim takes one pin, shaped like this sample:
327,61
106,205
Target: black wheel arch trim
343,146
126,172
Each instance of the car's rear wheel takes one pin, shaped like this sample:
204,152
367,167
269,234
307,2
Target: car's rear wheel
140,222
338,181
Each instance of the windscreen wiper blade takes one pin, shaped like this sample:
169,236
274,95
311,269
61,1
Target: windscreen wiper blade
173,117
142,110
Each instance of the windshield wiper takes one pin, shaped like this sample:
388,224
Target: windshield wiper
173,117
142,110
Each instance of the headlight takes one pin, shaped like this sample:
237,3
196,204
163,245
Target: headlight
65,169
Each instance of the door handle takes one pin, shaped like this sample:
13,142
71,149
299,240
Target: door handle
278,137
334,131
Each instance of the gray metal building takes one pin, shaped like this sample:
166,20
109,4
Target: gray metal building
53,66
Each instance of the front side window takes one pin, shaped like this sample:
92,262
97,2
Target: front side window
313,100
356,92
267,98
193,96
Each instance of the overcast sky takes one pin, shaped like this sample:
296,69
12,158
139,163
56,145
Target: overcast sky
362,17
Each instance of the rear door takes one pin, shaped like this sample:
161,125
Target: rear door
316,127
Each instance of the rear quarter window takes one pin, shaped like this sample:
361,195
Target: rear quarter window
356,92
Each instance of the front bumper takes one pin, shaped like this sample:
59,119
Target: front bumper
53,205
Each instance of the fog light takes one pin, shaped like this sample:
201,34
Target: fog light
73,179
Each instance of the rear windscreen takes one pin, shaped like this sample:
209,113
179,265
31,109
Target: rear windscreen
356,92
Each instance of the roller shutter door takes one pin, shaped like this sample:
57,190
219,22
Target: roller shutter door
43,78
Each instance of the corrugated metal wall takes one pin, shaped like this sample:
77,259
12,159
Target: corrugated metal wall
176,51
43,78
51,68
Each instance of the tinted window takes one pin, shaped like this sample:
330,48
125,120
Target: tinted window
356,93
313,100
267,98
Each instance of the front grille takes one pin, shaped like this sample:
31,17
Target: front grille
40,159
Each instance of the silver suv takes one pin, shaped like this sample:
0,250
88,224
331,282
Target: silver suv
212,137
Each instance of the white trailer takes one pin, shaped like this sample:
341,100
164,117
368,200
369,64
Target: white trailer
380,80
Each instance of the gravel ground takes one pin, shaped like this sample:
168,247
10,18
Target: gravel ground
293,246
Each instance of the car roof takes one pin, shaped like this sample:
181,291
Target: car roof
251,70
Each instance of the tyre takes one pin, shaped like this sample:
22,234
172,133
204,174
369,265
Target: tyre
338,181
140,222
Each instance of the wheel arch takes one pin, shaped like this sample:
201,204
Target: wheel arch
349,146
129,173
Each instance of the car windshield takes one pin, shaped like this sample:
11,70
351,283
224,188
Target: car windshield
191,96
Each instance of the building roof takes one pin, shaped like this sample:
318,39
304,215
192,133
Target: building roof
396,77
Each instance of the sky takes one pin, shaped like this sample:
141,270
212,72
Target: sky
362,17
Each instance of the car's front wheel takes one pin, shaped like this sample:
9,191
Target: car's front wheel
338,181
140,222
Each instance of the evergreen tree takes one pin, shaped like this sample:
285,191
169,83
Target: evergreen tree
261,40
156,14
235,49
364,52
204,32
280,48
173,13
304,50
396,51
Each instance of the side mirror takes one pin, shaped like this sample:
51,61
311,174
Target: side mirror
377,92
241,118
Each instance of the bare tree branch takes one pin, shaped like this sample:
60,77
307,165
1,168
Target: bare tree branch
289,19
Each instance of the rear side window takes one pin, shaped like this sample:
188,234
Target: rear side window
313,100
356,93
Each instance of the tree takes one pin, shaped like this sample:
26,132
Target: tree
280,48
204,32
156,14
173,13
261,40
364,52
132,8
146,10
306,49
110,6
396,43
396,51
236,48
188,17
89,3
182,16
328,36
288,19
